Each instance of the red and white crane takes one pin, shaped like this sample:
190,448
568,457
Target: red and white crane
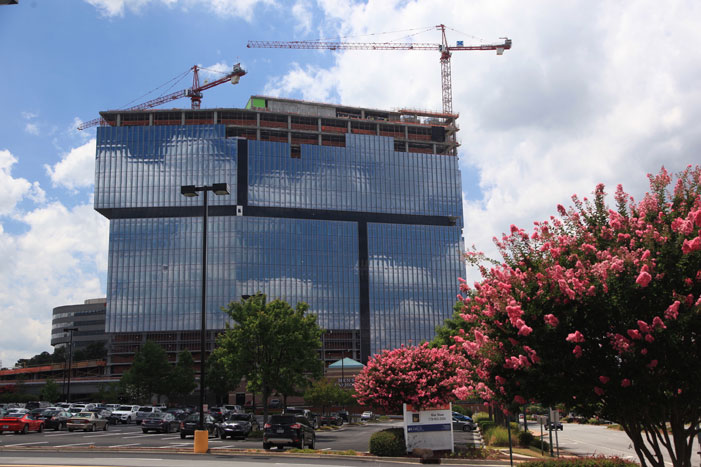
443,48
194,93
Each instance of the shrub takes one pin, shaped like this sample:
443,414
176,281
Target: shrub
580,462
388,443
480,416
497,436
485,426
535,443
525,438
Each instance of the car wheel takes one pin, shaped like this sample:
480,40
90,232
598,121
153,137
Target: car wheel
144,430
182,435
128,420
104,428
41,428
222,435
312,445
71,430
266,446
465,428
25,429
215,432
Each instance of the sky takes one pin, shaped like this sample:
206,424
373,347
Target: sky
592,91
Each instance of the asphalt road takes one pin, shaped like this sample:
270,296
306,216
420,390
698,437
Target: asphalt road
347,437
593,440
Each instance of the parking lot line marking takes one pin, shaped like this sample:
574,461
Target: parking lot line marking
137,436
96,436
26,444
180,444
123,445
74,444
171,437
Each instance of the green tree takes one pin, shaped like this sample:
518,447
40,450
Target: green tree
221,377
269,342
93,351
149,374
600,310
50,392
182,377
324,393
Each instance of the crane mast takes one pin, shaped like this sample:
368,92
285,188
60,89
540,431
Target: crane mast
194,93
444,49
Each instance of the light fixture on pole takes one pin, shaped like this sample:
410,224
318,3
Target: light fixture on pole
191,191
70,360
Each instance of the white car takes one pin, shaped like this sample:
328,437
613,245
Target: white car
125,413
366,416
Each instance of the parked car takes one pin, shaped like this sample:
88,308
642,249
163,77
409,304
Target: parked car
161,422
218,413
463,425
288,430
366,416
233,408
191,423
344,415
179,414
311,417
238,425
56,419
275,404
87,421
143,412
331,419
20,423
125,413
103,413
555,426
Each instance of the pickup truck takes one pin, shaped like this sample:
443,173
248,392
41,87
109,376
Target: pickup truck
125,413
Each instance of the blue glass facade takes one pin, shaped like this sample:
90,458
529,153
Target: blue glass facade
361,233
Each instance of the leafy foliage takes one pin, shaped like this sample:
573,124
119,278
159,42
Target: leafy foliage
598,309
271,344
149,374
388,443
324,393
182,377
50,392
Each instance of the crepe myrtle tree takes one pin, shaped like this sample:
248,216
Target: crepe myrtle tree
598,309
422,376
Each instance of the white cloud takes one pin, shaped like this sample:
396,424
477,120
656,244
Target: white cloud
32,129
302,12
57,261
76,169
589,93
14,189
227,8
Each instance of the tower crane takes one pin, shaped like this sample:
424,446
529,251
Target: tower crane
443,48
194,93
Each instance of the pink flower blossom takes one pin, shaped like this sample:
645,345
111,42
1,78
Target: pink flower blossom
673,310
599,391
635,334
577,351
643,279
652,364
625,383
690,246
658,323
643,326
575,337
551,320
643,351
524,330
604,379
519,400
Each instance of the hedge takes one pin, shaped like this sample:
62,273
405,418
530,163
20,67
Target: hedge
580,462
388,443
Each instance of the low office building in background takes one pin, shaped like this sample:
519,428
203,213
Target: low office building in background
355,211
88,319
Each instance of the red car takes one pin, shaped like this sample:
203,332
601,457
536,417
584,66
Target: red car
21,423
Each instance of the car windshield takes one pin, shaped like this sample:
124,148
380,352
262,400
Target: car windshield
13,415
194,417
154,415
238,416
146,409
125,408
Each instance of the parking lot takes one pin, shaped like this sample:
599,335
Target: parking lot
355,437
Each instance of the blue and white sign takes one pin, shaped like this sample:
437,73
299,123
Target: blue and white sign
429,428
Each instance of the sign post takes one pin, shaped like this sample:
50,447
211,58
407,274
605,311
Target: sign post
429,428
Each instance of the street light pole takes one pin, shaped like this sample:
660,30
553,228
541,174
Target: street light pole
70,361
191,191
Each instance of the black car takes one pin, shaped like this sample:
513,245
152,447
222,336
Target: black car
218,413
238,425
331,419
179,414
161,422
192,422
55,419
288,430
